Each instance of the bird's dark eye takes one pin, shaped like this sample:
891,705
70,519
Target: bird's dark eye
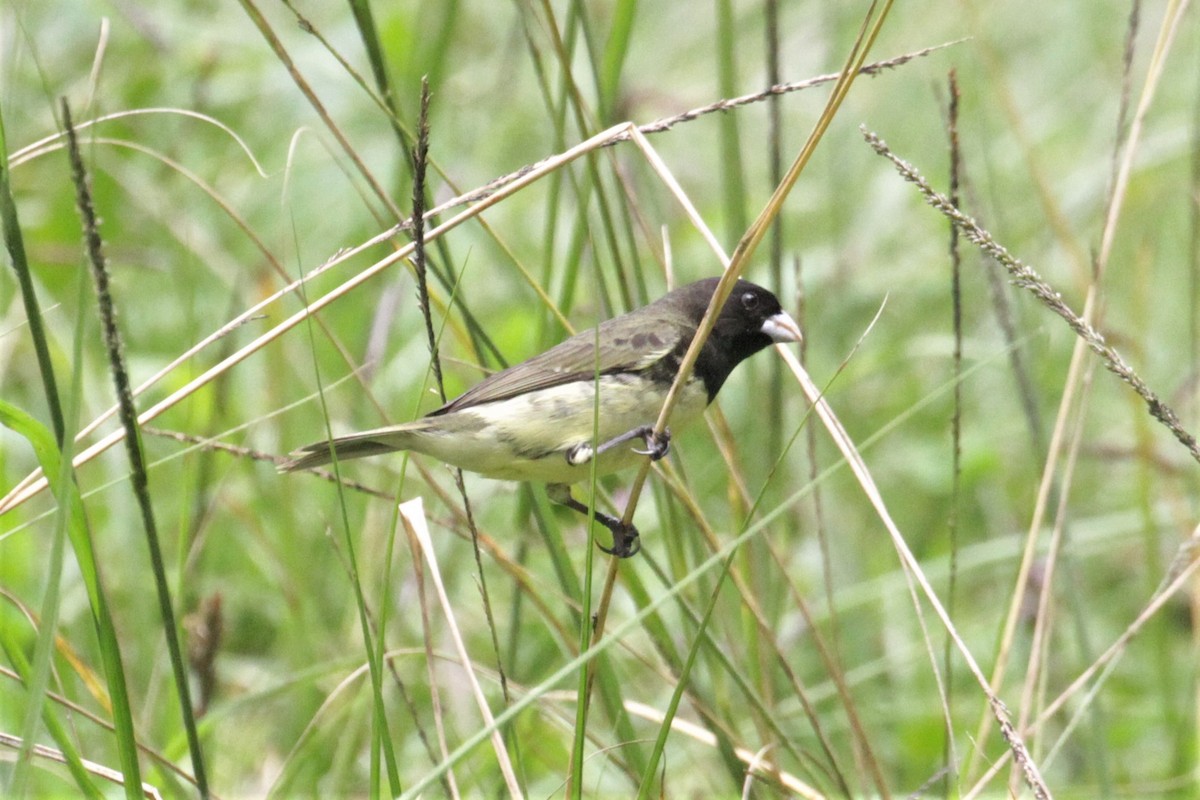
749,301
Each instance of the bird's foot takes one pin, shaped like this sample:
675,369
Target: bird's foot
626,542
657,445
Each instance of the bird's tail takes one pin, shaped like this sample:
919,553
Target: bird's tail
358,445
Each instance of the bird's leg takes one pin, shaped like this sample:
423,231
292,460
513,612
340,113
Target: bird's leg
626,542
657,445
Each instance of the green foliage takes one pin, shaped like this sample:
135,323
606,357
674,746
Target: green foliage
813,657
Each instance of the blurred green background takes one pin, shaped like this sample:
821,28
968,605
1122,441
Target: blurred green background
195,235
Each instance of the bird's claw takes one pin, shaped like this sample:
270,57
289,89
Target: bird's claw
626,542
657,445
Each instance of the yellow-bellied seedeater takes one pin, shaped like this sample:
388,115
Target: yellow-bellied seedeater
536,421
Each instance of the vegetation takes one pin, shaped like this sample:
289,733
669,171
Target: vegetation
789,627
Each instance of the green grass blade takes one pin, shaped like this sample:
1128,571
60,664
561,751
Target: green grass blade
36,675
15,243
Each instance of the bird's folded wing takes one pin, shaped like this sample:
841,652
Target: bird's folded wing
626,345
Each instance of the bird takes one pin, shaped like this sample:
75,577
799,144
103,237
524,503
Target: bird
539,421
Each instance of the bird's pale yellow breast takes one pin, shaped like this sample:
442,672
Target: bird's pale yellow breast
536,430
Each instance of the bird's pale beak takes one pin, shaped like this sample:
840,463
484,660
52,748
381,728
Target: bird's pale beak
782,328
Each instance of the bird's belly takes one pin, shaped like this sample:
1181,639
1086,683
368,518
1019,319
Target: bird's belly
526,438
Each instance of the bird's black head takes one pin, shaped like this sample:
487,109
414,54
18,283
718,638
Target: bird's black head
750,320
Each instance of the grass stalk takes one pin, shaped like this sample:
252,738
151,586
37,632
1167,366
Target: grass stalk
133,442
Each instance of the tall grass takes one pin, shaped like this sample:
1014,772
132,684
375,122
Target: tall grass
770,638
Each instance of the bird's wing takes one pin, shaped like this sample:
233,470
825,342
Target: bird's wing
627,346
